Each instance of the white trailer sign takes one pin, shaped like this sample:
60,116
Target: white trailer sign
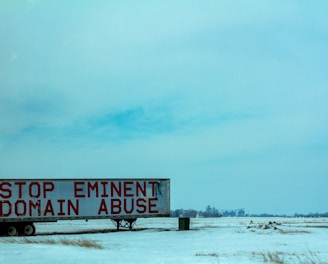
35,200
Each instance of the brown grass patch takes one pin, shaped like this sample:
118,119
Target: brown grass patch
316,226
272,257
206,255
67,242
292,232
279,257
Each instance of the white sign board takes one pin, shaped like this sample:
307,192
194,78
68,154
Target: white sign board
54,199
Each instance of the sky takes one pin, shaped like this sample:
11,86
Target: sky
228,99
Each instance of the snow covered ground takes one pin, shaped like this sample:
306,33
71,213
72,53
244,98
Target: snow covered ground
214,240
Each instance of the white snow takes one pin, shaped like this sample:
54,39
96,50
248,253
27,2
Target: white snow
211,240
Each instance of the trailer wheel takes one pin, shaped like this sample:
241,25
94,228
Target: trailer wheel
29,229
12,230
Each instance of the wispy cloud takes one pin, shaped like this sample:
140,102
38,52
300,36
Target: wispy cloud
222,89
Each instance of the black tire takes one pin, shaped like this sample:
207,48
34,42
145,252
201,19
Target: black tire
28,229
12,230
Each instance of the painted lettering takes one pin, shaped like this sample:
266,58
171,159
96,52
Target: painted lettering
152,205
104,192
78,189
20,208
141,206
103,207
125,208
35,206
48,187
141,189
153,187
116,188
74,208
20,187
5,208
34,190
61,210
115,206
5,192
128,189
49,209
94,188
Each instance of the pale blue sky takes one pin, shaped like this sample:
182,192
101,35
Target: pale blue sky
226,98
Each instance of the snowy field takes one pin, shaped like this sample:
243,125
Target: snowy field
214,240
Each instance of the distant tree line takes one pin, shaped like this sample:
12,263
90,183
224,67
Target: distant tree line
209,212
213,212
309,215
312,215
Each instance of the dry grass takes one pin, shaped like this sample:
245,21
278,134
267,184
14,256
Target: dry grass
209,225
311,258
279,257
206,255
240,231
272,257
292,232
67,242
316,226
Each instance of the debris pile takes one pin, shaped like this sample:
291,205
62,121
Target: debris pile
270,225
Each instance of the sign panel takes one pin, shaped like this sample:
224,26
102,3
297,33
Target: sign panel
56,199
